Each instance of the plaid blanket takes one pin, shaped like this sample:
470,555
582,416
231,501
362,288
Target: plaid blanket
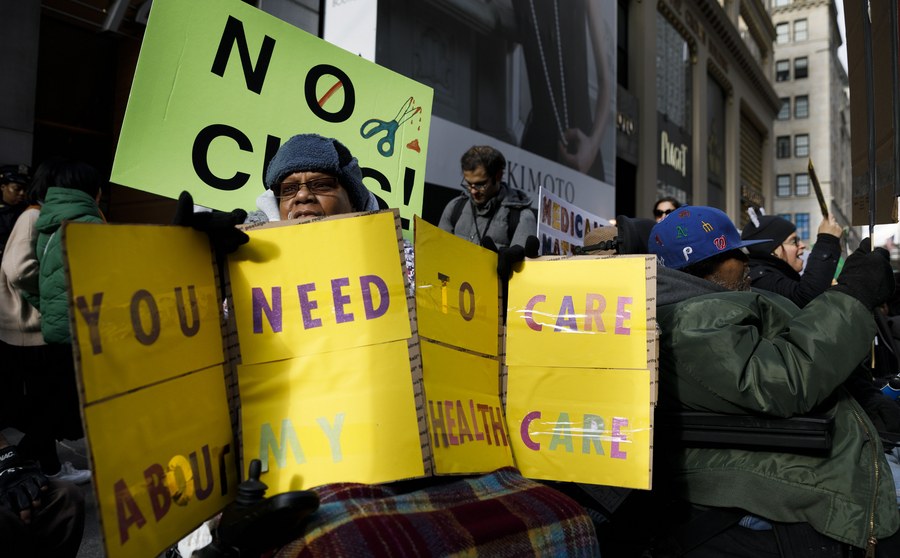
499,514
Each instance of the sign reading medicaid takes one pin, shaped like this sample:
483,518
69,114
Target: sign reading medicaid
220,85
562,226
149,360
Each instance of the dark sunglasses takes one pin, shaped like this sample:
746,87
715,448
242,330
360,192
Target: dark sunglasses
660,212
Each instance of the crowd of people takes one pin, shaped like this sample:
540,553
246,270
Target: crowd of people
747,326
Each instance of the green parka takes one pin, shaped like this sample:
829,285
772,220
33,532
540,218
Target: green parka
60,204
757,353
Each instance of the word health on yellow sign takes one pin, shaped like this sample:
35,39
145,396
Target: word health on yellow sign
466,422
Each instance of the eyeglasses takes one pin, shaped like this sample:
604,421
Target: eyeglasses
661,212
477,186
793,241
316,186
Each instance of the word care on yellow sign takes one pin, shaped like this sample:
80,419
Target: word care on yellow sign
456,290
220,85
149,354
582,369
331,380
595,318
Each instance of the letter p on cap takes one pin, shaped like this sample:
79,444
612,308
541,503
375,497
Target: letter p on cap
687,252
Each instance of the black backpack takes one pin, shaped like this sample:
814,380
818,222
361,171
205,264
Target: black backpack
512,222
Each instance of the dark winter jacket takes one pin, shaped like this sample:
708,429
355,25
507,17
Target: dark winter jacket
492,219
773,274
61,204
757,353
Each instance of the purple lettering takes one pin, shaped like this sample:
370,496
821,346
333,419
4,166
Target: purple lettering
261,306
307,306
340,299
365,283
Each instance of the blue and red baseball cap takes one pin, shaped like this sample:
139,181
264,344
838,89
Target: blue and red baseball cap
690,234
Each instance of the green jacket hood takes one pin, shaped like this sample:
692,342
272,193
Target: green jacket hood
65,204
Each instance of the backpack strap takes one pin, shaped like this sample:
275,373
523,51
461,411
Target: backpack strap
457,211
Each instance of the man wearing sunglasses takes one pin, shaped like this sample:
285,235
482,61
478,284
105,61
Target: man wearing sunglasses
312,176
488,208
775,265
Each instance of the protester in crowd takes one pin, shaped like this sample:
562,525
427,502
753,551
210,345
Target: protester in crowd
38,517
474,515
73,197
312,176
664,206
776,265
13,181
21,342
728,350
488,208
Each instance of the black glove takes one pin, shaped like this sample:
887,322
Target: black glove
867,276
218,225
21,481
252,524
507,258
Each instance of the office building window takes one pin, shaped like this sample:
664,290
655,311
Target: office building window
801,184
801,67
783,33
783,185
780,3
801,145
801,106
783,147
801,30
802,222
785,112
782,70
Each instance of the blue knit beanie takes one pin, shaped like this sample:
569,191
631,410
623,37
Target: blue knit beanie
314,153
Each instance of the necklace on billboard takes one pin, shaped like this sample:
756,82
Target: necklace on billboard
562,121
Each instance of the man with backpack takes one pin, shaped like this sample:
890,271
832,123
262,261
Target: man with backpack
489,208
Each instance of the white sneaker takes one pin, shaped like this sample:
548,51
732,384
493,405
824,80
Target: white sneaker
68,473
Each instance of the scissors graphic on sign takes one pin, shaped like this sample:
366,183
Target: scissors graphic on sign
374,126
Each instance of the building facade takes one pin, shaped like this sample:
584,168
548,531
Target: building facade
813,123
692,102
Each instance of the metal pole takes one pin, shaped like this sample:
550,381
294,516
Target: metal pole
870,110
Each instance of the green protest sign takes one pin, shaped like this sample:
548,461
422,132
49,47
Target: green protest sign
220,85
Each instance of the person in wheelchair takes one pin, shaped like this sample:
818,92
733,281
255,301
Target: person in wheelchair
729,350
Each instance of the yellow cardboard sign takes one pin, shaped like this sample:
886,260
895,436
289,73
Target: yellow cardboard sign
456,290
220,85
344,416
162,461
141,316
591,426
588,313
465,418
319,287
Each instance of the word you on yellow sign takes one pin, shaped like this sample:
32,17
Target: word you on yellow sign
150,366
